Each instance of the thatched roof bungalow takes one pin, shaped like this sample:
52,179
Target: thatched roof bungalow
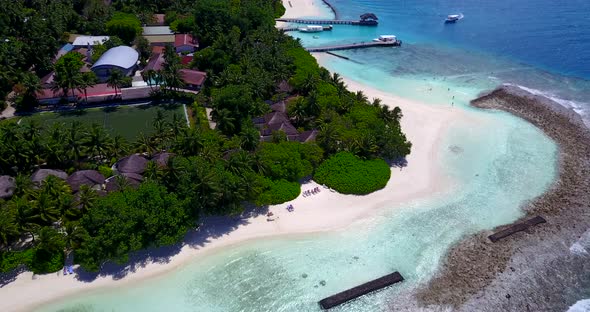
7,186
131,164
162,158
115,183
41,174
308,136
92,178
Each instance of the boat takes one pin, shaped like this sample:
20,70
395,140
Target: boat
385,38
453,18
391,39
312,28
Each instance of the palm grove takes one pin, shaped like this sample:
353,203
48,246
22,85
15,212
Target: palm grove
215,171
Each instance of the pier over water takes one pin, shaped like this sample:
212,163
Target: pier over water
367,19
359,45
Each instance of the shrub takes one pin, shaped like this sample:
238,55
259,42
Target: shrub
348,174
10,260
106,171
278,192
125,26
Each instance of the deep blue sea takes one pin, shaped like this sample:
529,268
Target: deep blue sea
542,45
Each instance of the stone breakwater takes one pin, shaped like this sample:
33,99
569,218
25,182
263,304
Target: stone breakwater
533,270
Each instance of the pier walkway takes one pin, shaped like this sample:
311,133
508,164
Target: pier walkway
359,45
367,19
361,290
329,22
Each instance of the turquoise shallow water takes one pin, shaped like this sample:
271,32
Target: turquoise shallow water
496,162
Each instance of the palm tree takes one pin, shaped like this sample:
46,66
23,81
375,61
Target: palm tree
88,80
73,140
66,83
31,85
74,236
149,77
117,147
86,198
8,227
24,215
376,102
117,80
97,142
45,208
225,121
50,241
310,83
361,97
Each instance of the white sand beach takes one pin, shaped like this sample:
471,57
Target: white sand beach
325,211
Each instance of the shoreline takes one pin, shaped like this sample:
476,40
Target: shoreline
324,212
527,271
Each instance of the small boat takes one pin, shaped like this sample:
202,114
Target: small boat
312,28
388,38
385,38
453,18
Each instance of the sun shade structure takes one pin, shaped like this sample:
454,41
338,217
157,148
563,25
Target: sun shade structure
7,186
91,178
120,58
40,175
132,164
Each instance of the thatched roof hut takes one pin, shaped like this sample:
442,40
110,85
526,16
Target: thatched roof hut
280,107
132,164
114,183
41,174
7,186
91,178
284,87
308,136
161,159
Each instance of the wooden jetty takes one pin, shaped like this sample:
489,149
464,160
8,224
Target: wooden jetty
359,45
515,228
361,290
326,28
367,19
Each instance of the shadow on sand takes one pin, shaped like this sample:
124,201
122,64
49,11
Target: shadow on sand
210,229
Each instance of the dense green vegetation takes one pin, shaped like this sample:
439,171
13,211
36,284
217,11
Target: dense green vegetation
213,171
348,174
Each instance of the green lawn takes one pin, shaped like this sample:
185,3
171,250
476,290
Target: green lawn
127,121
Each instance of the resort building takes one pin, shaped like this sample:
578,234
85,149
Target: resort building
185,43
86,41
121,58
193,79
158,34
278,120
7,186
91,178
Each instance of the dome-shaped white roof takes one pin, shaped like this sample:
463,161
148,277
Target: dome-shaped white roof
121,56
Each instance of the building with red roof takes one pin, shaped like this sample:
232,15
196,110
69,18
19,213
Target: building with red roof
193,79
185,43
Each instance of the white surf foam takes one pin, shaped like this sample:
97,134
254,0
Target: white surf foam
582,109
580,306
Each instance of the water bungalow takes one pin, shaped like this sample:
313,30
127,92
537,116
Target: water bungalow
361,290
515,228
